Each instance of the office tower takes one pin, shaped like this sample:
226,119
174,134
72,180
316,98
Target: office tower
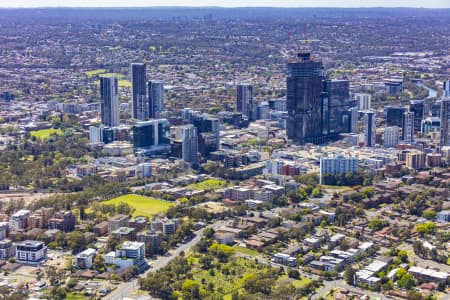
431,124
304,100
109,92
394,86
408,127
208,130
152,137
185,138
244,100
353,120
391,136
338,165
369,129
155,98
278,104
446,88
262,111
138,89
445,122
394,115
364,101
417,107
335,108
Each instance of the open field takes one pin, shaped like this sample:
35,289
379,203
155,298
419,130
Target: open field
144,206
45,133
214,207
92,73
73,296
208,184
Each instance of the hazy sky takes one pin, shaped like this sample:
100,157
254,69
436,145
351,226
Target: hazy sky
228,3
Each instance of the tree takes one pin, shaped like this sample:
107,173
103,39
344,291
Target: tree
191,290
349,275
293,273
58,293
208,232
76,242
403,256
99,263
426,228
406,281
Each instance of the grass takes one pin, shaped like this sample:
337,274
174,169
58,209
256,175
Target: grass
118,75
93,73
45,133
229,283
247,251
124,83
209,184
74,296
144,206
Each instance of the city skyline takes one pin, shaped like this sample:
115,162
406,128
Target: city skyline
227,3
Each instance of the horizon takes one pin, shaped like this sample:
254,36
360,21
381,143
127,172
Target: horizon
431,4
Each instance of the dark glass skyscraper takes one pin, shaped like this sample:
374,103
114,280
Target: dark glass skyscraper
445,122
318,108
244,100
155,98
304,100
394,115
417,107
335,121
138,89
109,94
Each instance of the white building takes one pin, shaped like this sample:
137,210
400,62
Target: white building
338,165
31,252
20,219
85,259
391,136
130,254
443,216
95,135
363,101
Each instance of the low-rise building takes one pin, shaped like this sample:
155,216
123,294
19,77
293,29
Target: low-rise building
284,259
429,274
129,254
7,249
31,252
85,259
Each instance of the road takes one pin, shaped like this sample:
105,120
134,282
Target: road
125,289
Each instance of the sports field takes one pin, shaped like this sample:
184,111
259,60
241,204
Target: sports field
45,133
144,206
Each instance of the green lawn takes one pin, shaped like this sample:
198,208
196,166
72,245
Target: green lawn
247,251
92,73
73,296
209,184
144,206
45,133
124,83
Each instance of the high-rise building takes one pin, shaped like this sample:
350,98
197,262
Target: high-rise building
304,100
447,88
335,108
353,120
417,107
391,136
369,129
394,115
138,89
155,98
338,165
152,137
208,130
95,135
186,137
408,127
445,122
364,101
109,92
415,159
244,100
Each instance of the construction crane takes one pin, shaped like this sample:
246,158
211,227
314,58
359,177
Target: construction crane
302,53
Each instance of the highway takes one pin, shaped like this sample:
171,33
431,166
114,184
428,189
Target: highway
125,289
